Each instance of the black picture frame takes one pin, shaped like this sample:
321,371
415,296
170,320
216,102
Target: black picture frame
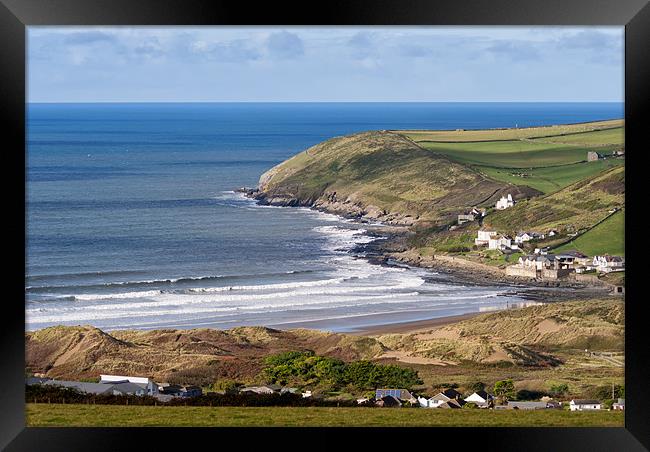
16,15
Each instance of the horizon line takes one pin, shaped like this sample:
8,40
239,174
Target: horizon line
336,102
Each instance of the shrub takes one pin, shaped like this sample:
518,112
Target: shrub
476,386
525,394
504,389
307,369
559,390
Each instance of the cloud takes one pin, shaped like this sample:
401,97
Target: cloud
590,39
596,46
415,51
363,44
228,51
150,48
515,51
88,37
285,45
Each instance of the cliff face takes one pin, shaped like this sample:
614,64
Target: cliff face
379,176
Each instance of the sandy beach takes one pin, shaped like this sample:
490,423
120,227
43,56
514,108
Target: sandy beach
413,327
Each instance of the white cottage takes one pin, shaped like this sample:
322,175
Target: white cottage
505,202
501,242
484,237
608,263
481,398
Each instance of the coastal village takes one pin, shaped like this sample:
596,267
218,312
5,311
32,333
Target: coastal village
449,398
536,262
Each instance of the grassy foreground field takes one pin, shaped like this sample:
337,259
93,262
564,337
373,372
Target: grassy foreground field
55,415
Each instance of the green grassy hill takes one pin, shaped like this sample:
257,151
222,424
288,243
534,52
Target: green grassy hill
378,174
574,208
607,237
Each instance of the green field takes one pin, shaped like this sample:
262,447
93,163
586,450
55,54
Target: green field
57,415
508,134
510,154
550,179
578,206
546,163
607,237
614,136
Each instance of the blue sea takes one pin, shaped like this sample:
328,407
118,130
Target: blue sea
133,221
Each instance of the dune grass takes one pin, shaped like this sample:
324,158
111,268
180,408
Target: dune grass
57,415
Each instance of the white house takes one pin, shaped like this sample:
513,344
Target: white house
505,202
501,242
484,237
481,398
539,262
608,263
441,399
527,236
146,383
583,404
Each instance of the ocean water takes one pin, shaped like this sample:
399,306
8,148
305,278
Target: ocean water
132,221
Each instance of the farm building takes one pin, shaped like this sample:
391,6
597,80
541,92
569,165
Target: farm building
145,383
582,404
465,218
527,405
593,156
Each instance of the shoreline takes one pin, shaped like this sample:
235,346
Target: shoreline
414,326
388,248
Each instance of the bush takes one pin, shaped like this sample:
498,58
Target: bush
559,390
307,369
476,386
504,389
525,394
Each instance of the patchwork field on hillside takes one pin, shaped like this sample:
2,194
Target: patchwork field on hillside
544,158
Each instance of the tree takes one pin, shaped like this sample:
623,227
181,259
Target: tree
559,390
476,386
504,389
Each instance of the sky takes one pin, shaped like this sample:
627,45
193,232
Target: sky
325,64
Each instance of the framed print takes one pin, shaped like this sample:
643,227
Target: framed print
374,215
